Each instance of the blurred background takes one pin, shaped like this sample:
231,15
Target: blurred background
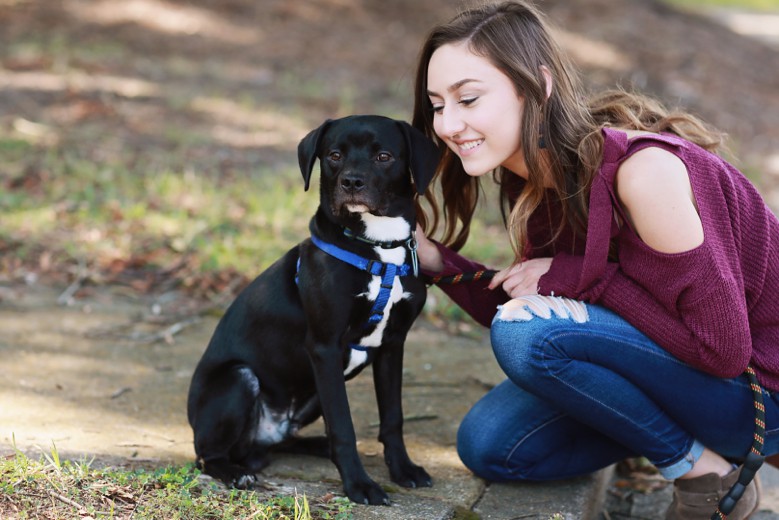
148,170
151,143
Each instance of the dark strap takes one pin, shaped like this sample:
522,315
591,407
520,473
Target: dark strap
601,226
755,457
485,274
390,244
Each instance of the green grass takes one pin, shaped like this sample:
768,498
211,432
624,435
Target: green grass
98,213
54,488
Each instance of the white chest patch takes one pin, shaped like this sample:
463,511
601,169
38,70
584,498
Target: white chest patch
274,426
383,229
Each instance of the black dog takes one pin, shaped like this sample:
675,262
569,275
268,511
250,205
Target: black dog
333,304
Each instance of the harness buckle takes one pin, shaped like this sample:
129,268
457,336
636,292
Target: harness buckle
373,263
412,245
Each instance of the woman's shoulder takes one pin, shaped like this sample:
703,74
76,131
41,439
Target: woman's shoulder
620,144
650,158
654,189
649,164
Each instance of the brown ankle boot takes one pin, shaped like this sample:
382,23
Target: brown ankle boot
697,498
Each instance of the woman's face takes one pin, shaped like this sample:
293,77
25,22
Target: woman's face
477,111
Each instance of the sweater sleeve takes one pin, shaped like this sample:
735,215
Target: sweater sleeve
473,297
700,319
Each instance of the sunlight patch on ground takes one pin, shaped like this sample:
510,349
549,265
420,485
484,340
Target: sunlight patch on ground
35,421
35,132
754,24
77,81
164,17
592,53
773,165
763,26
245,127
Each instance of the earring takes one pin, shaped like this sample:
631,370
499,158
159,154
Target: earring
541,139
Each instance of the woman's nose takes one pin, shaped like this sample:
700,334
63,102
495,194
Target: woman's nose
451,122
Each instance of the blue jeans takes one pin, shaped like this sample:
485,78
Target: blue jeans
586,389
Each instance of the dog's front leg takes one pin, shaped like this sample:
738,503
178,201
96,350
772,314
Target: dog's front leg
388,378
328,369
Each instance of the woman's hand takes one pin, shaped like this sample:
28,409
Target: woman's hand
427,252
522,279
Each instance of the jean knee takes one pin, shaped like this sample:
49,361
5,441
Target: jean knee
476,448
516,346
522,328
512,349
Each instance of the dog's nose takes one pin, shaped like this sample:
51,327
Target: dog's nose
352,183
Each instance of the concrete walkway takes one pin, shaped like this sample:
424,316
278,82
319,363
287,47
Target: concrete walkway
107,377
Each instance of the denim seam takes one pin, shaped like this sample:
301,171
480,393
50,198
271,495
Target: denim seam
516,446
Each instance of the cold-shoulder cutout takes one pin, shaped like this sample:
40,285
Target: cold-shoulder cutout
654,191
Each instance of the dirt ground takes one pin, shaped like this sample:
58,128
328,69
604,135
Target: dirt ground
149,65
107,377
244,80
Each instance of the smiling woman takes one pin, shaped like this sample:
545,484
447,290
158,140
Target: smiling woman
614,211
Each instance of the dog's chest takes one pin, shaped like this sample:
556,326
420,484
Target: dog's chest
358,357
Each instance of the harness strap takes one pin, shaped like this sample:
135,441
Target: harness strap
374,267
386,271
385,289
410,243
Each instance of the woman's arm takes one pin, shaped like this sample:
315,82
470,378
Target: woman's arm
473,297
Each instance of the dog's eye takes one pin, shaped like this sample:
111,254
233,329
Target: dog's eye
334,155
384,157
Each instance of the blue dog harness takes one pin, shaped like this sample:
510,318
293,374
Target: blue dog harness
385,270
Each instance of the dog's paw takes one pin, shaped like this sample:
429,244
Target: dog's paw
411,476
244,482
367,492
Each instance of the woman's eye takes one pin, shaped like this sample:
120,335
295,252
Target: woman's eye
468,101
384,157
437,109
334,156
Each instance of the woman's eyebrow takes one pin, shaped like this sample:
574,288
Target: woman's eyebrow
454,86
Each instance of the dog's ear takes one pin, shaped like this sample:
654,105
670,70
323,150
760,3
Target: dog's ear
423,156
308,149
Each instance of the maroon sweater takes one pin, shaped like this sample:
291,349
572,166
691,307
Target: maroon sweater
715,307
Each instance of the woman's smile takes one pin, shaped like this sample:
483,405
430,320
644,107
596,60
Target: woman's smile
469,146
477,111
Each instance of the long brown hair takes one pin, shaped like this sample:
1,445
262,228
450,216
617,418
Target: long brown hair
515,38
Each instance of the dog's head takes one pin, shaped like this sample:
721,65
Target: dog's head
367,165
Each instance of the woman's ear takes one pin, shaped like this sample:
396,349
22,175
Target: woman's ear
547,80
